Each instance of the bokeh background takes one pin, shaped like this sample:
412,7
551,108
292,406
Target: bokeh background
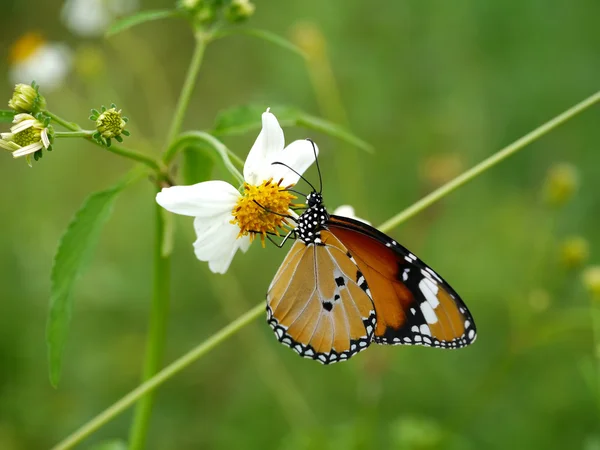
435,87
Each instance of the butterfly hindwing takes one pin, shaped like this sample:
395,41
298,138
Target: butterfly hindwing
414,305
318,303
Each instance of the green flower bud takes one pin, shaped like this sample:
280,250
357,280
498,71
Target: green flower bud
561,184
591,280
27,99
574,252
239,10
27,136
110,124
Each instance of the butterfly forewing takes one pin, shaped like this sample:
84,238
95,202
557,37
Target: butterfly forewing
414,305
318,305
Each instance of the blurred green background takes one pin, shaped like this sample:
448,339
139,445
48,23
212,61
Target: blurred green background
436,87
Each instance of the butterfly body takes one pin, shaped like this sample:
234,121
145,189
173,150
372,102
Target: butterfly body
344,285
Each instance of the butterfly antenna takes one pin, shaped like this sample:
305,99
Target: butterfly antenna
295,192
297,173
287,216
317,163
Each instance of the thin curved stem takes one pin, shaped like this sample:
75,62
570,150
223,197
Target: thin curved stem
191,136
489,162
255,312
188,88
72,134
157,332
162,376
114,148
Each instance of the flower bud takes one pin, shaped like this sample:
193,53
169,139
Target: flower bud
239,11
561,184
110,124
26,99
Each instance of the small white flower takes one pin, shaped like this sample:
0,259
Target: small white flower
348,211
226,219
27,136
33,58
91,18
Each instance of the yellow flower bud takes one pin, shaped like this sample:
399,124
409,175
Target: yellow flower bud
574,252
561,184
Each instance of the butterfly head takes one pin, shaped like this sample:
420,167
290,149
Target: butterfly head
312,220
314,199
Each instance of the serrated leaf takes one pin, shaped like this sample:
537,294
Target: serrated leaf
6,116
242,119
74,252
139,18
265,36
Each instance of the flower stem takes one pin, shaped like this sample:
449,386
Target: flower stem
187,89
72,134
162,376
488,163
190,136
59,120
255,312
157,333
116,149
133,155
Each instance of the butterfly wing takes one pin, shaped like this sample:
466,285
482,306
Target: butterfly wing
318,303
413,304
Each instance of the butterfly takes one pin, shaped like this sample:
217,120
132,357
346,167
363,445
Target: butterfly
345,285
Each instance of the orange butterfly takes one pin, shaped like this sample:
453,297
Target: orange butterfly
345,284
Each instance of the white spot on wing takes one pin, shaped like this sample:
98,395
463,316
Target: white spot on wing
428,312
425,330
429,290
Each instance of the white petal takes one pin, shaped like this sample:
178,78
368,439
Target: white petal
207,199
23,125
32,148
299,155
269,143
244,243
45,138
217,243
348,211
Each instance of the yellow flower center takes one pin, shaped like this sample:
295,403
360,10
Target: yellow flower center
27,137
26,46
263,209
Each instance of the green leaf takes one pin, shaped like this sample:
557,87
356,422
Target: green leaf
242,119
6,116
75,250
264,35
141,17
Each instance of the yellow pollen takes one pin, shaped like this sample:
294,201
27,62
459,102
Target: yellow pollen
262,209
25,46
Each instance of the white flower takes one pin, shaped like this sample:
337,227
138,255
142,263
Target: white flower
34,59
27,136
227,220
91,18
348,211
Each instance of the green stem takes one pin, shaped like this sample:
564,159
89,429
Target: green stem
114,148
59,120
488,163
162,376
226,155
188,87
258,310
72,134
157,333
133,155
